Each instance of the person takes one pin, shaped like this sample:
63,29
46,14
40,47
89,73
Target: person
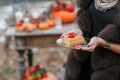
99,21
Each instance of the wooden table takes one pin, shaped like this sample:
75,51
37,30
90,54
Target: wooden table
38,38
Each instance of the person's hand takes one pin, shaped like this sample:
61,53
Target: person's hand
94,42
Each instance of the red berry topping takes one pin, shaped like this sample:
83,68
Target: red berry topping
19,24
45,75
56,9
70,9
27,30
33,22
71,35
21,21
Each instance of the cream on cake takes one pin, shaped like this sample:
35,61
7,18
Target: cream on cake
31,26
72,40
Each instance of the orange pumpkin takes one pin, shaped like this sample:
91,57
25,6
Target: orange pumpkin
43,25
66,17
51,23
38,73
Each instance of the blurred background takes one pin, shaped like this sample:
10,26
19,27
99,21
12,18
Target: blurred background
40,40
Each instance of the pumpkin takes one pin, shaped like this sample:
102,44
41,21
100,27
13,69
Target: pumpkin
66,17
51,23
50,77
38,73
43,25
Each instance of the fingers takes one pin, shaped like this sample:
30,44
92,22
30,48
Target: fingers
77,47
84,48
62,36
90,49
90,44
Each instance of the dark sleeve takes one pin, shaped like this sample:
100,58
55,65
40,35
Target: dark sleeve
111,32
83,18
84,4
76,67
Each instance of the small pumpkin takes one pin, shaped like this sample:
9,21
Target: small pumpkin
66,17
51,22
37,73
43,25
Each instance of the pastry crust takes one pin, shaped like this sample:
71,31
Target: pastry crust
23,26
20,27
30,26
76,40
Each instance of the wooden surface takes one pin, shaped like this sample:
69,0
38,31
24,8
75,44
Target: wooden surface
38,38
52,31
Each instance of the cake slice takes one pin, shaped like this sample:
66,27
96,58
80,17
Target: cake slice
30,26
19,26
72,40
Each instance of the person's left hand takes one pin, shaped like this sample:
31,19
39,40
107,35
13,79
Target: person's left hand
94,42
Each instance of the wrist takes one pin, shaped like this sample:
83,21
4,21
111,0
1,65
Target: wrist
107,45
102,42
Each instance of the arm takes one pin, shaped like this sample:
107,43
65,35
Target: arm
115,47
97,41
112,46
